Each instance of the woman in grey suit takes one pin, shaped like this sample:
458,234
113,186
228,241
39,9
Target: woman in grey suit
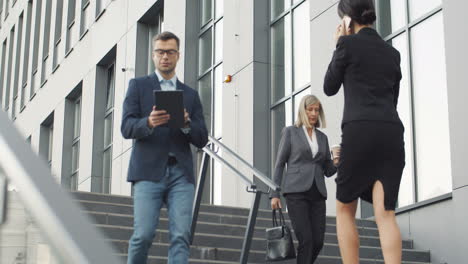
305,151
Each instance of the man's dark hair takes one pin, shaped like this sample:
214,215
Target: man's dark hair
166,35
361,11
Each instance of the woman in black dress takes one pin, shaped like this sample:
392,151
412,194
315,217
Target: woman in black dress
372,155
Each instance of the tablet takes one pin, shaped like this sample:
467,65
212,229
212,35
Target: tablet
173,103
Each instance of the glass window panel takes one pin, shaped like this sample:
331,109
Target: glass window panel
219,41
74,181
45,47
297,100
108,130
58,20
206,11
24,96
431,109
27,40
204,89
406,194
69,37
107,170
19,42
421,7
154,30
37,23
84,19
219,8
2,69
77,119
281,58
110,88
278,7
205,43
218,180
280,118
301,45
71,11
9,68
75,156
392,16
51,143
218,101
13,108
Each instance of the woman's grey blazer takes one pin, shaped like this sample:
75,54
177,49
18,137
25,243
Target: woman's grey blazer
302,169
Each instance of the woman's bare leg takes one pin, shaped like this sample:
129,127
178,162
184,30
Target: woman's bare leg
348,238
389,232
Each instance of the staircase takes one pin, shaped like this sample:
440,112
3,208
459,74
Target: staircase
220,232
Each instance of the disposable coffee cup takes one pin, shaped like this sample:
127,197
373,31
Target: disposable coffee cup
335,151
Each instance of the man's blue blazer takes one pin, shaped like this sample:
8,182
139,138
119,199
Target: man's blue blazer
152,146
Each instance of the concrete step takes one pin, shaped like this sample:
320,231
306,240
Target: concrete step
258,244
320,260
220,233
232,230
158,251
224,210
206,215
163,260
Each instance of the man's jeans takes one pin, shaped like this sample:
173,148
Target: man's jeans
177,193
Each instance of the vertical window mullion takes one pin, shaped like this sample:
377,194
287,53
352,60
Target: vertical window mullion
410,88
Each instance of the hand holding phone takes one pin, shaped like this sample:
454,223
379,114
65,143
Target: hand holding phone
344,28
347,23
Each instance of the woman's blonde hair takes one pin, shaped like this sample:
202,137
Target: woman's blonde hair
302,119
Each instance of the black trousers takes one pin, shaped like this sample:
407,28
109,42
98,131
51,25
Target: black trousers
307,213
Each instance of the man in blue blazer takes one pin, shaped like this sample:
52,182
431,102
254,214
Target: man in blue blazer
161,167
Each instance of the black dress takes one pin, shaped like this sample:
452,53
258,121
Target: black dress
372,147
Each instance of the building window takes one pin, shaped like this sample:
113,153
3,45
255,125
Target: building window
45,47
7,8
76,144
19,40
210,78
2,70
1,12
415,28
58,32
8,71
27,36
290,63
70,25
150,25
108,129
71,139
101,7
46,139
85,17
37,23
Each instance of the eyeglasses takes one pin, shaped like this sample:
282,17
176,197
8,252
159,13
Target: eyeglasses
161,52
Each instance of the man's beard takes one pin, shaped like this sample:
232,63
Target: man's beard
167,71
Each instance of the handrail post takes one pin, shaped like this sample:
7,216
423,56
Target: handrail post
250,228
198,194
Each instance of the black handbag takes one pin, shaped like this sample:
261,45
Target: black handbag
279,240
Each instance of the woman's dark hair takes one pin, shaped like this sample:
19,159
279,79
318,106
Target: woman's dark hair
360,11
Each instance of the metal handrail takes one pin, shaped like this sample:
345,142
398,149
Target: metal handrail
207,153
254,171
70,232
218,158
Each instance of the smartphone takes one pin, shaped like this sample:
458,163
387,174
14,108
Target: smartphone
347,21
